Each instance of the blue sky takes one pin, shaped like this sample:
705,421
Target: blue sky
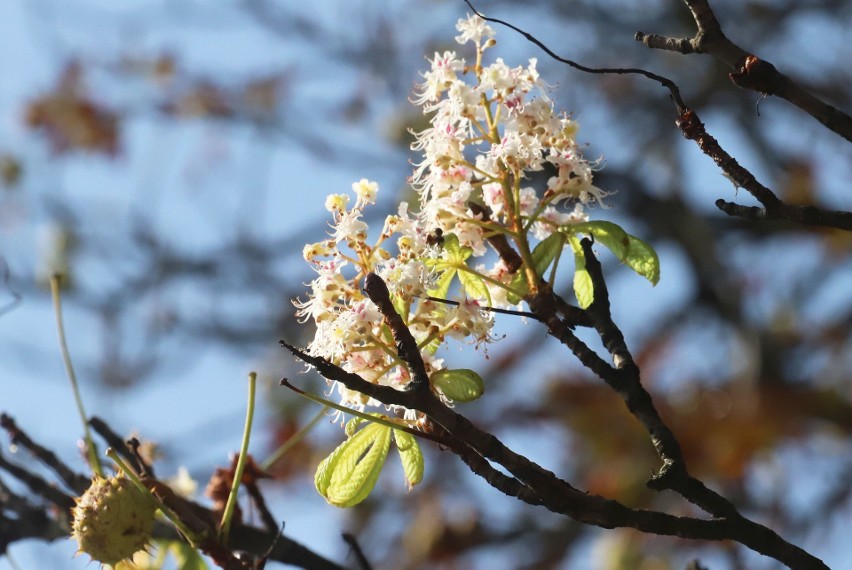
190,179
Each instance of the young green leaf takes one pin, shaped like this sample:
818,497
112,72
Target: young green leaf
355,466
460,385
608,234
474,286
410,455
453,251
322,477
583,288
642,259
546,251
520,288
442,286
401,305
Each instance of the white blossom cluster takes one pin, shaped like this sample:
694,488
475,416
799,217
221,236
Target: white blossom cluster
489,127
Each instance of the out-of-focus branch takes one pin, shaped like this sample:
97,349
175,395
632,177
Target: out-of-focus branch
750,72
49,519
74,481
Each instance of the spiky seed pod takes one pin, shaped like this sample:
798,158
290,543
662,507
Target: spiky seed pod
113,519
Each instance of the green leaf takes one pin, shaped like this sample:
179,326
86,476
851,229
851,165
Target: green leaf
454,253
460,385
474,286
583,288
401,306
607,233
442,287
642,259
546,251
519,285
410,455
322,477
352,425
358,465
630,250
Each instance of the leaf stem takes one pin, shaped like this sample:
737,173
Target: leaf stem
91,450
227,516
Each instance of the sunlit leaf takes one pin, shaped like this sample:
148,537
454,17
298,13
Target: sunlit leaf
642,259
519,286
453,251
356,466
460,385
322,477
583,288
442,287
474,286
630,250
410,455
546,251
608,234
401,306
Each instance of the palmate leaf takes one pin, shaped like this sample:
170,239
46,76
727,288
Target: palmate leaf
348,475
630,250
452,263
410,455
474,286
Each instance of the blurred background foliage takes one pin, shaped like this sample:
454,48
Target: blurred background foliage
172,158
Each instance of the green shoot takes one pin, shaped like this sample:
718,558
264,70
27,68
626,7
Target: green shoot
225,525
94,460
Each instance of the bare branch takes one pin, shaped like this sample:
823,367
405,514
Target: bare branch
750,71
536,485
692,127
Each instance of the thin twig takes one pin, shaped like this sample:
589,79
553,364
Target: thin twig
674,90
750,72
75,481
692,128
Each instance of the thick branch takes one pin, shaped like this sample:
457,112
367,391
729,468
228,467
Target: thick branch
559,496
750,72
535,484
773,207
807,215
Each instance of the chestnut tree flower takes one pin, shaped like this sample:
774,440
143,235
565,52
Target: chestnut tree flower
490,126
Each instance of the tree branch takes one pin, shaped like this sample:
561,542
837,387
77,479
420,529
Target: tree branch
49,520
750,72
692,128
535,484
